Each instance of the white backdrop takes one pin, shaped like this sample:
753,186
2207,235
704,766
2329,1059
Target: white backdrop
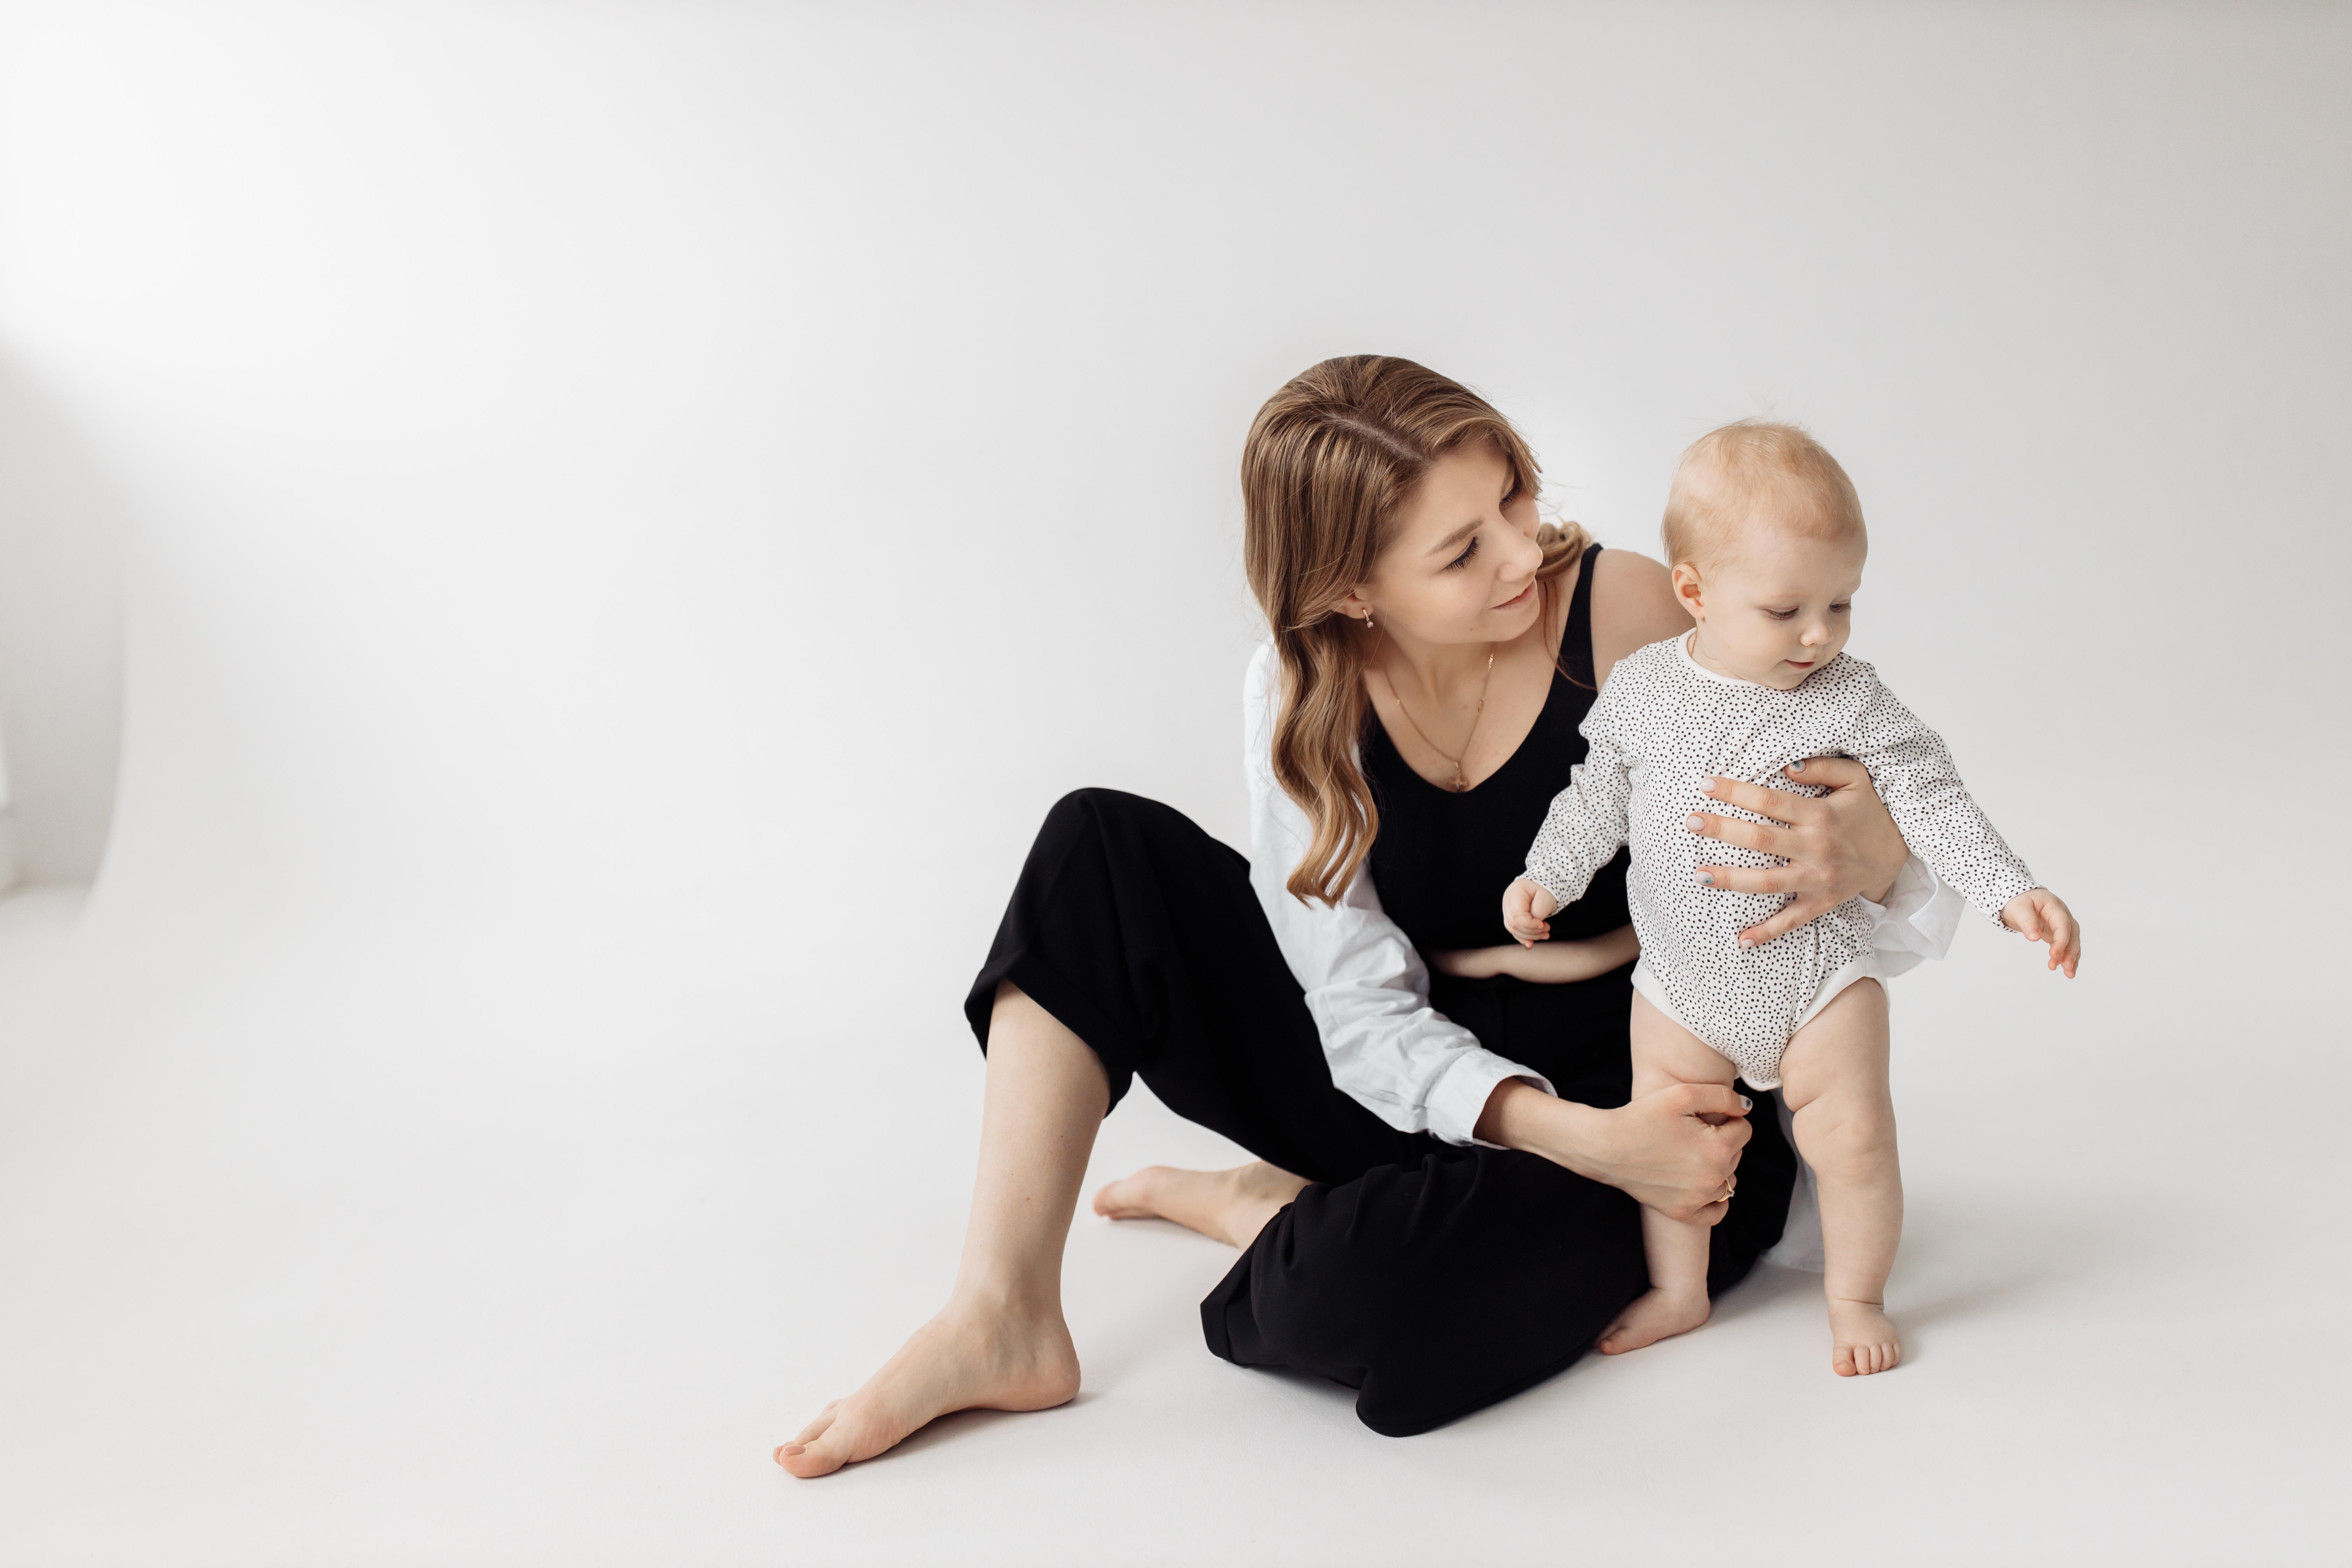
633,512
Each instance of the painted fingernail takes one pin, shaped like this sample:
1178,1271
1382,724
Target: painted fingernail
1693,821
1710,786
1747,942
1706,877
1796,767
1746,1103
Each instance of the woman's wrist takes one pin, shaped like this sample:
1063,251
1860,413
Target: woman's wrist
1520,1115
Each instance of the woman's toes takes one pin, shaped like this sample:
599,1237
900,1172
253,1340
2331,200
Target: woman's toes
815,1429
856,1436
809,1460
1129,1197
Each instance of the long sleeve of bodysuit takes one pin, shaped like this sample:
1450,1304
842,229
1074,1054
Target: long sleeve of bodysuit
1941,822
1587,823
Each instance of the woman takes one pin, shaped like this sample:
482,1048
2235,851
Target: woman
1443,1208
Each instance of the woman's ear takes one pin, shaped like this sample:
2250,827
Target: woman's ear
1353,605
1689,592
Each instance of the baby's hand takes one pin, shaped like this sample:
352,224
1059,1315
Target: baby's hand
1526,909
2043,916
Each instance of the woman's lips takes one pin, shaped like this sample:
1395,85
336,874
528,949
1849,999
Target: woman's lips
1517,599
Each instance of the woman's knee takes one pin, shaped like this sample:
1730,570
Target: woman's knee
1439,1288
1095,808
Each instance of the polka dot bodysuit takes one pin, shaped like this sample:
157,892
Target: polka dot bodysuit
1662,725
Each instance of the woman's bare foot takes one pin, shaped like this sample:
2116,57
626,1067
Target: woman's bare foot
960,1360
1655,1316
1232,1206
1864,1340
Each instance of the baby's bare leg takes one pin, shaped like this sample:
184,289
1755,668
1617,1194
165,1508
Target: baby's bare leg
1666,1053
1834,1076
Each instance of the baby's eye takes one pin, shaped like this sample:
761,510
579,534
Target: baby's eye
1782,614
1841,607
1464,559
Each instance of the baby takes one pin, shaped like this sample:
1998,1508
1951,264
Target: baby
1765,536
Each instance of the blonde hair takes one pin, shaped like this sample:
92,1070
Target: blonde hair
1755,470
1330,463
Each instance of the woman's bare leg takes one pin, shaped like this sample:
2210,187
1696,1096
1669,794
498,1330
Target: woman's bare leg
1231,1206
1000,1343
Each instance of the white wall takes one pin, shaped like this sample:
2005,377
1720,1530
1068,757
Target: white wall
61,568
604,442
630,512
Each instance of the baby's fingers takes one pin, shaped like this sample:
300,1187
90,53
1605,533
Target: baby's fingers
2065,943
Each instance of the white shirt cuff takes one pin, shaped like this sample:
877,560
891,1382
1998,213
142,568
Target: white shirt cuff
1918,920
1459,1097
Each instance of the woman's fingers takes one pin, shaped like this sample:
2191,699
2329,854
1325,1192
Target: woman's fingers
1712,1099
1749,878
1827,773
1765,836
1804,907
1777,804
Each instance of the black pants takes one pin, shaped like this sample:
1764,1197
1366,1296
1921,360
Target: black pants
1434,1280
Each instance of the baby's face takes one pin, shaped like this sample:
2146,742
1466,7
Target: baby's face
1779,609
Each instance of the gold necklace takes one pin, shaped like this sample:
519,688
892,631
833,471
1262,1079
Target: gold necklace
1459,786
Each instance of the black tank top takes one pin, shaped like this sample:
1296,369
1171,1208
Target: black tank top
1441,860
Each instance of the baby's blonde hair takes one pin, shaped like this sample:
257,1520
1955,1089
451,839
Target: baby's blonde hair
1756,470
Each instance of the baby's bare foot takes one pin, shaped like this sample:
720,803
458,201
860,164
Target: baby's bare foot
960,1360
1656,1315
1864,1340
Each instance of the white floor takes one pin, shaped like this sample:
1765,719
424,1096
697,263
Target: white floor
504,1243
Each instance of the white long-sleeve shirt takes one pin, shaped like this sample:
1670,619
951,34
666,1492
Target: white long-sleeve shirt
1365,984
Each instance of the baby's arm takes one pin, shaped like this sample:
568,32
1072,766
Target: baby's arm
1915,775
1580,834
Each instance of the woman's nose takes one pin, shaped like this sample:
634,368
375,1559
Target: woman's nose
1519,563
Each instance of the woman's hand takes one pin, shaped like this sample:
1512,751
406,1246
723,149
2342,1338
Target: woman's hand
1836,845
1547,962
1674,1150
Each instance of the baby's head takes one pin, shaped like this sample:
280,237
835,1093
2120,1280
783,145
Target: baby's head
1764,534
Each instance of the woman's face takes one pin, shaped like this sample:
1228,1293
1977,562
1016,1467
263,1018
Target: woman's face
1462,567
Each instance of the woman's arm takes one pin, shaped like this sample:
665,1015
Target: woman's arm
1674,1150
1560,961
1407,1063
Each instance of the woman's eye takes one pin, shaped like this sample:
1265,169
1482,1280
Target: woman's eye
1464,559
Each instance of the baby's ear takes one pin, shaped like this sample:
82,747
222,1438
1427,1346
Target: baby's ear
1690,593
